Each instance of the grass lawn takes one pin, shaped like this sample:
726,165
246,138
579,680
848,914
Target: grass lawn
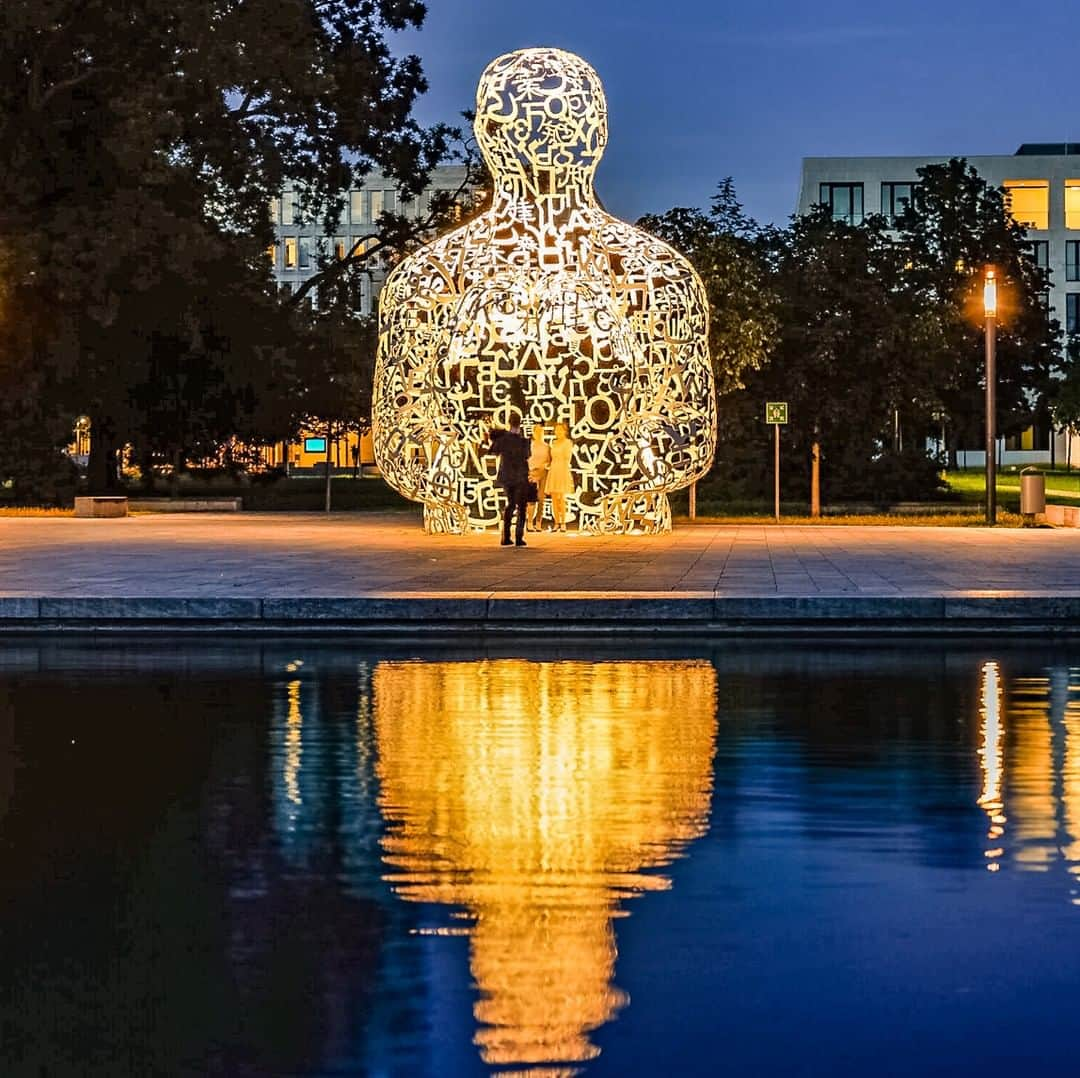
1005,519
1062,488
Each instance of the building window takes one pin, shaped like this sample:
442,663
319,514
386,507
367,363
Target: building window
340,250
275,211
271,253
1072,260
1072,203
844,200
304,251
1029,202
895,198
1072,312
290,252
359,212
1040,251
376,204
288,208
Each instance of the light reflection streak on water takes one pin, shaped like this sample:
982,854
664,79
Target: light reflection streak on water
1042,783
294,745
991,760
1032,794
534,797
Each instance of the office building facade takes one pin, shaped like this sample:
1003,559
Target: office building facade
299,244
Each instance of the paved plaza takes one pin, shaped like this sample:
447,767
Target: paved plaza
295,568
280,555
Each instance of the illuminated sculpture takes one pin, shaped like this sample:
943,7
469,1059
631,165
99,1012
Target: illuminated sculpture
547,306
533,799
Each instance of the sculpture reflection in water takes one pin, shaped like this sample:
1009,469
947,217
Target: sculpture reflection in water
1029,755
547,306
533,799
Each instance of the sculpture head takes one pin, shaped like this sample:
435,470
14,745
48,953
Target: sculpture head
541,122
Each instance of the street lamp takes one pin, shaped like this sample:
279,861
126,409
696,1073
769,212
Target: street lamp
990,311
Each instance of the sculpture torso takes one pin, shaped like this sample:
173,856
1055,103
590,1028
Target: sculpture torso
547,306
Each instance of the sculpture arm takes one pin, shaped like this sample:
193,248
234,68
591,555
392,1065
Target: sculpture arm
675,428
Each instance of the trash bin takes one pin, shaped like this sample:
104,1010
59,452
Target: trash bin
1032,495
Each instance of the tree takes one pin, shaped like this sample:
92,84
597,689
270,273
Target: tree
724,247
140,143
842,360
957,225
336,375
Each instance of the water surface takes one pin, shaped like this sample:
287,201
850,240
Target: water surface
304,859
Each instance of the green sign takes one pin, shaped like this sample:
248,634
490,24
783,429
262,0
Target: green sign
776,412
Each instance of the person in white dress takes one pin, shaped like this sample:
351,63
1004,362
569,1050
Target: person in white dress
560,481
539,462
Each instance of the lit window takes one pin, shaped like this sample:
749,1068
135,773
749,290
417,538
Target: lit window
288,208
304,248
844,200
895,198
290,252
377,203
1072,312
1072,260
1072,203
358,207
1029,202
340,250
1040,250
271,253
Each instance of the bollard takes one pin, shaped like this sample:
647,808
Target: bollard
1032,495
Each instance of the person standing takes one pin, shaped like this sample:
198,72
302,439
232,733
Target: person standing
512,448
539,462
560,482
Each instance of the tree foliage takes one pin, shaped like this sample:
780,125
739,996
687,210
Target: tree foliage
723,246
140,144
871,331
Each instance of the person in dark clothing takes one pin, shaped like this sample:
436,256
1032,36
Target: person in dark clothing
513,452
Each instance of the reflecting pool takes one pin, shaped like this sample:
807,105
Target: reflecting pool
294,858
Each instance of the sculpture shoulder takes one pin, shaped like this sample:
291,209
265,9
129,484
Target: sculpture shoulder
638,256
434,269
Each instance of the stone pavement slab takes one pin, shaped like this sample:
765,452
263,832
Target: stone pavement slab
357,571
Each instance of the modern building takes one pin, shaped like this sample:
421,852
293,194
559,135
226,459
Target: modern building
299,246
1043,183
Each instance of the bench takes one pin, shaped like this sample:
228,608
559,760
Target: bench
185,505
101,505
1063,516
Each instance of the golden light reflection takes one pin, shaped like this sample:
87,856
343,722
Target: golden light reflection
1042,783
294,747
536,797
1033,803
991,758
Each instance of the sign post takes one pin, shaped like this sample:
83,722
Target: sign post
776,414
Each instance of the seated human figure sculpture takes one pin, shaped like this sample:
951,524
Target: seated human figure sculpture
545,305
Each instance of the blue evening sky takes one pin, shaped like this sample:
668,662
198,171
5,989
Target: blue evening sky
698,90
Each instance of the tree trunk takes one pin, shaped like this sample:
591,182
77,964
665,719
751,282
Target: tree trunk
329,435
815,480
101,475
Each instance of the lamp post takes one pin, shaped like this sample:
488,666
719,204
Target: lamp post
990,311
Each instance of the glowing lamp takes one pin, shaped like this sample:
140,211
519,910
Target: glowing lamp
990,293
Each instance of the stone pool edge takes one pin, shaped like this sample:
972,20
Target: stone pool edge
705,614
